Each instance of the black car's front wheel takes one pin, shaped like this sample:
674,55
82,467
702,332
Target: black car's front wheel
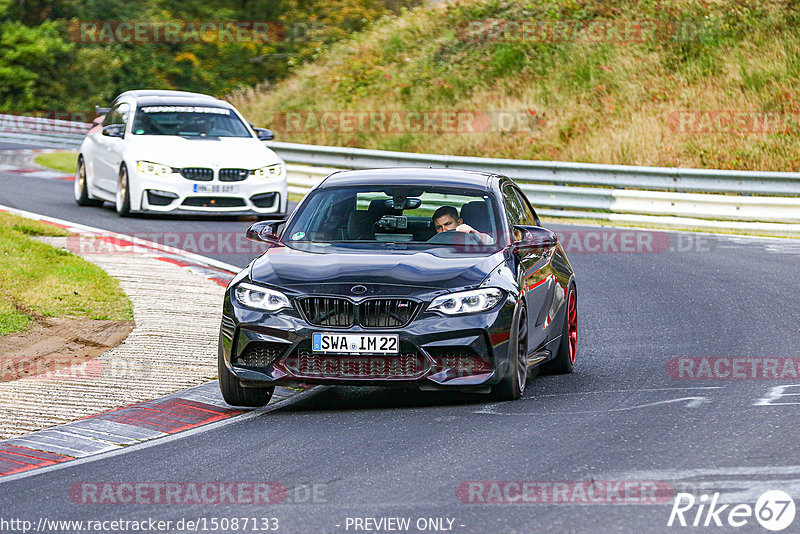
564,361
512,386
236,395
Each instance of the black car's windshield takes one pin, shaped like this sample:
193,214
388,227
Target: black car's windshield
188,121
392,217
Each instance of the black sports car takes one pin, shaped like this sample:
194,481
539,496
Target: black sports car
438,278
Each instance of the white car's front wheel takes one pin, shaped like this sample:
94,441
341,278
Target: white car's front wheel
123,197
80,189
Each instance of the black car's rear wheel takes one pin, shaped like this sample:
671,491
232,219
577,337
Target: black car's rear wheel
564,361
512,386
235,395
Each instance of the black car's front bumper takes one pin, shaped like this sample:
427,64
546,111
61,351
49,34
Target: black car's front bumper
466,352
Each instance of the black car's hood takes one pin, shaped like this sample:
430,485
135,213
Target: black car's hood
288,267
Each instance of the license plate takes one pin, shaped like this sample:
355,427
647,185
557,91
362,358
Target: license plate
356,343
215,188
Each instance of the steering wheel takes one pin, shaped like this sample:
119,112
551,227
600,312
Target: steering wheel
450,237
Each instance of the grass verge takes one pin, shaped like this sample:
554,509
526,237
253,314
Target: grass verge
65,162
38,279
688,83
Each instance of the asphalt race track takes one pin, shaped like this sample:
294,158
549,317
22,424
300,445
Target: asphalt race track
10,145
625,415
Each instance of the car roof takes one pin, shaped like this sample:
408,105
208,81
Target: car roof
139,93
180,101
411,176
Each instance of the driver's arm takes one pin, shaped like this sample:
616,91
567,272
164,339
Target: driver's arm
485,239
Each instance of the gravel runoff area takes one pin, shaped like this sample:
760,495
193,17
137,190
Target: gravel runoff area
173,346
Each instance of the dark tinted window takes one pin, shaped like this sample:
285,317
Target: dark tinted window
113,117
515,213
528,215
188,121
118,116
373,216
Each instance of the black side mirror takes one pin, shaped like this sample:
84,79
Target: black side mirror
534,237
264,134
265,232
114,130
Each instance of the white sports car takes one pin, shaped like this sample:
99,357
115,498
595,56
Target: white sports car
173,151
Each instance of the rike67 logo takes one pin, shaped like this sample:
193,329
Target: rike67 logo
774,510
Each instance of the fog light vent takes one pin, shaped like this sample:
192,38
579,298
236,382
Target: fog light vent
258,354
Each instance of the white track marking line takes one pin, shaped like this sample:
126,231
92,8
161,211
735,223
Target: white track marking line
491,408
693,402
536,395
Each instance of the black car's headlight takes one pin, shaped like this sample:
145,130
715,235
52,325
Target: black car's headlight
260,298
476,300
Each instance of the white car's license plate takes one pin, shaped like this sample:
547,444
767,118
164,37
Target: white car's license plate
355,343
215,188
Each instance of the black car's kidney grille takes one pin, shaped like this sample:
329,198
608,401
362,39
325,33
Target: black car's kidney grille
328,311
386,313
233,175
373,313
261,354
198,174
304,363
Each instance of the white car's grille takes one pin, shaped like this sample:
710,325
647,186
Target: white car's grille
233,175
198,174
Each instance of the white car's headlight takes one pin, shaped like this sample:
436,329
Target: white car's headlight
474,301
153,169
271,171
261,298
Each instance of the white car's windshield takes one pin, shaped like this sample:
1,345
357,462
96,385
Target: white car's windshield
377,216
188,121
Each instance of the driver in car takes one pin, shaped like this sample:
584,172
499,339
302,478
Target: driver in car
446,219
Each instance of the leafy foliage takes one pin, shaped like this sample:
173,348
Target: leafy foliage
48,64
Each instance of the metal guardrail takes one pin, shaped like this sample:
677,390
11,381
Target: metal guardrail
775,215
554,172
765,202
42,132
